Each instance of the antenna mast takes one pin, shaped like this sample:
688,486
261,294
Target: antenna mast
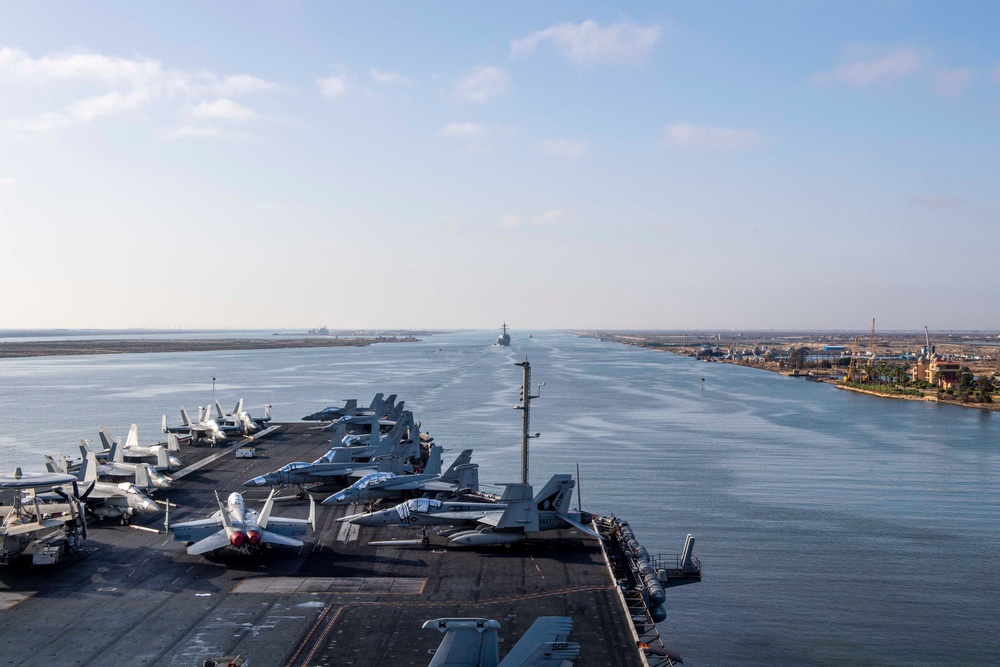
525,408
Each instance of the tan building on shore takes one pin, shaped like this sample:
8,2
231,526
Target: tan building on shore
937,372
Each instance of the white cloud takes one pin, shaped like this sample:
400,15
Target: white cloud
686,135
951,83
510,221
222,109
333,87
202,132
587,42
863,73
481,84
464,130
387,77
86,110
119,85
551,216
6,182
565,148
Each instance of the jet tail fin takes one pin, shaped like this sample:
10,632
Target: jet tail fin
142,476
218,410
265,513
173,445
466,642
351,407
434,461
467,477
162,458
105,439
88,469
50,464
544,644
116,454
521,511
185,420
376,405
132,440
267,412
556,494
451,474
224,515
163,424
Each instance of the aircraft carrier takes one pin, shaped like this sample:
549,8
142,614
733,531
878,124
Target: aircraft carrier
133,596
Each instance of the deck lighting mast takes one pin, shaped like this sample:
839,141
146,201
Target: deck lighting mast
525,408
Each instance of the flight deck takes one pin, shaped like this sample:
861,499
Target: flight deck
134,596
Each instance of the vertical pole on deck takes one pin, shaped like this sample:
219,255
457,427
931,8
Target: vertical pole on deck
525,408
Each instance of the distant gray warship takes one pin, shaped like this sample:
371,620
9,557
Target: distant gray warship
503,340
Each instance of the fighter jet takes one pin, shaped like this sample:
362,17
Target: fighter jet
161,457
28,525
240,422
364,448
502,523
329,472
246,530
205,429
145,477
473,642
108,500
385,421
461,475
378,407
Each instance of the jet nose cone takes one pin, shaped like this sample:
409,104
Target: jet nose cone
148,506
175,462
256,481
335,499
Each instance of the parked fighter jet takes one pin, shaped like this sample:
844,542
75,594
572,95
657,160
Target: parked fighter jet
235,525
145,477
505,522
364,448
386,421
240,422
28,526
205,429
461,475
108,500
162,457
378,407
329,472
473,642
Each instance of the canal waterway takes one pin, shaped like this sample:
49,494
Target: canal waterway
833,527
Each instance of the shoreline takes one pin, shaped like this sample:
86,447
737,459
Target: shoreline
15,350
637,341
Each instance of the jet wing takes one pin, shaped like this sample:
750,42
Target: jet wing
216,540
435,486
491,518
271,537
193,531
463,517
579,526
286,527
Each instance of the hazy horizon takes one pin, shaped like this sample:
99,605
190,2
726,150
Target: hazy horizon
636,166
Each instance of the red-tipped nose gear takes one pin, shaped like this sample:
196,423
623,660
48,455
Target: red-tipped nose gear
237,538
253,536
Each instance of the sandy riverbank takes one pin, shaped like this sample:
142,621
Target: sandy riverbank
121,346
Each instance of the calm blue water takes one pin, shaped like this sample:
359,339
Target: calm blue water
833,528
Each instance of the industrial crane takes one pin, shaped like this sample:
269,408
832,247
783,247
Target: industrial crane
854,356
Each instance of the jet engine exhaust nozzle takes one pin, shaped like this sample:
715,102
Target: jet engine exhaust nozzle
238,538
253,537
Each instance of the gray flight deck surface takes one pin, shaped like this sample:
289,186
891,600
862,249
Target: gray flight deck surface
136,597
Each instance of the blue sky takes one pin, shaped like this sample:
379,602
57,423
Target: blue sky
650,165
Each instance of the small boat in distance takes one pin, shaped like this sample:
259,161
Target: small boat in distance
503,340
